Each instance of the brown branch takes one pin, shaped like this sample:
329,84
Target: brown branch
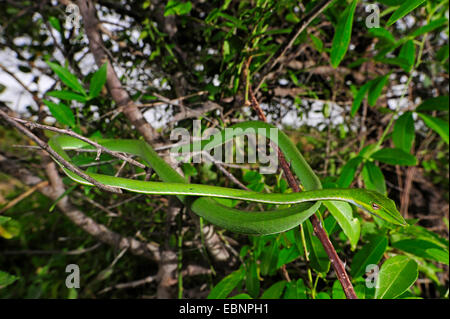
99,147
51,252
118,93
23,196
317,226
55,155
87,224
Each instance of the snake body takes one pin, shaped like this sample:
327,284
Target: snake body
200,198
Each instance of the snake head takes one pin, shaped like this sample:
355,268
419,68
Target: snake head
382,207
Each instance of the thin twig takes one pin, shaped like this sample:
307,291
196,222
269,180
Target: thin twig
55,155
298,28
317,226
23,196
51,252
99,147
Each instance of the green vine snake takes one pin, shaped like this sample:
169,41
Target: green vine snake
200,198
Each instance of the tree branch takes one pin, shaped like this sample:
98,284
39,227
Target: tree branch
99,231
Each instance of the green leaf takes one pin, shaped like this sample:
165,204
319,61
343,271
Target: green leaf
252,281
317,255
9,228
295,290
189,170
287,255
275,291
359,98
67,95
404,133
318,44
97,81
337,291
382,33
408,54
436,124
342,35
269,259
4,219
67,78
373,178
241,296
429,27
322,295
422,248
439,255
349,171
440,103
62,113
394,156
6,279
370,253
395,277
376,88
175,7
401,62
54,22
391,2
404,9
343,214
252,177
226,285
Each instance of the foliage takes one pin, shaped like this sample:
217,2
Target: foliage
383,106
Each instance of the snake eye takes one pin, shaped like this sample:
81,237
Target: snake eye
375,206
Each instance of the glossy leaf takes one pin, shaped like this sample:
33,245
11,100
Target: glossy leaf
436,124
403,134
241,296
342,35
423,248
323,295
349,171
370,253
404,9
373,178
408,54
295,290
376,88
287,255
359,98
382,33
67,95
269,259
98,81
61,112
343,214
226,285
6,279
394,156
440,103
337,292
175,7
67,78
429,27
252,281
317,256
275,291
395,277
